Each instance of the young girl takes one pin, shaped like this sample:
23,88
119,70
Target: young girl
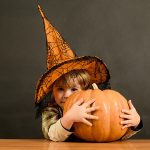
66,73
57,127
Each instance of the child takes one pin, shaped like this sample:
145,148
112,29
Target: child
67,74
56,127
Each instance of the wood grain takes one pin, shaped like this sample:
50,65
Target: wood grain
41,144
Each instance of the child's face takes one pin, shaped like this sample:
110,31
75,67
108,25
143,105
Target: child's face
62,92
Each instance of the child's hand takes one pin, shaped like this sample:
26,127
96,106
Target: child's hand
79,112
131,117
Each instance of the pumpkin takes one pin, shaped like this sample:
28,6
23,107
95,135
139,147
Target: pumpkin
107,128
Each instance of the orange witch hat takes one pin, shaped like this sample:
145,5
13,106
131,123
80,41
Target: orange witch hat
61,60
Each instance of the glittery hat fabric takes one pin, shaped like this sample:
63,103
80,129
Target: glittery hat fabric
61,60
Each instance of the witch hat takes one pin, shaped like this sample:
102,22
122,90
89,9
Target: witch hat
61,60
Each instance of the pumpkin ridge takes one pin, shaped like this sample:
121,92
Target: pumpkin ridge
116,106
113,106
109,115
92,113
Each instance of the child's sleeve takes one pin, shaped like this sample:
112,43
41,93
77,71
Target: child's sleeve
132,131
51,125
49,117
58,133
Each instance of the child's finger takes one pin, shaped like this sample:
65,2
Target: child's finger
87,122
88,116
130,104
125,122
124,116
126,126
125,111
94,108
89,102
79,102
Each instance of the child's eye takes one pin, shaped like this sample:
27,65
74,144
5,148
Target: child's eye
60,89
74,89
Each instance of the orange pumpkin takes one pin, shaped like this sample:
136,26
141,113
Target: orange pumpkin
108,127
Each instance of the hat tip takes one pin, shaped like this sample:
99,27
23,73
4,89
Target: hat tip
39,7
41,12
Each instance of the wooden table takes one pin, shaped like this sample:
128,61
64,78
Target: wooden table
41,144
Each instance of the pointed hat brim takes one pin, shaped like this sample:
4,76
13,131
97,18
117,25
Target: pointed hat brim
94,66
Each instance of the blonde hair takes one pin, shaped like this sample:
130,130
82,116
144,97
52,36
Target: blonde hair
82,77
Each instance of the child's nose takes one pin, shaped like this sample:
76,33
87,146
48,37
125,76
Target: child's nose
67,94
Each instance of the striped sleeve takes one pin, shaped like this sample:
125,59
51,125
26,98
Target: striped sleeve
50,115
132,131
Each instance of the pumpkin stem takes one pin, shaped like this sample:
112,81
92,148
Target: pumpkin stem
94,85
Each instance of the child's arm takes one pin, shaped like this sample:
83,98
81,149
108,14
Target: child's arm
51,126
58,133
131,120
58,129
